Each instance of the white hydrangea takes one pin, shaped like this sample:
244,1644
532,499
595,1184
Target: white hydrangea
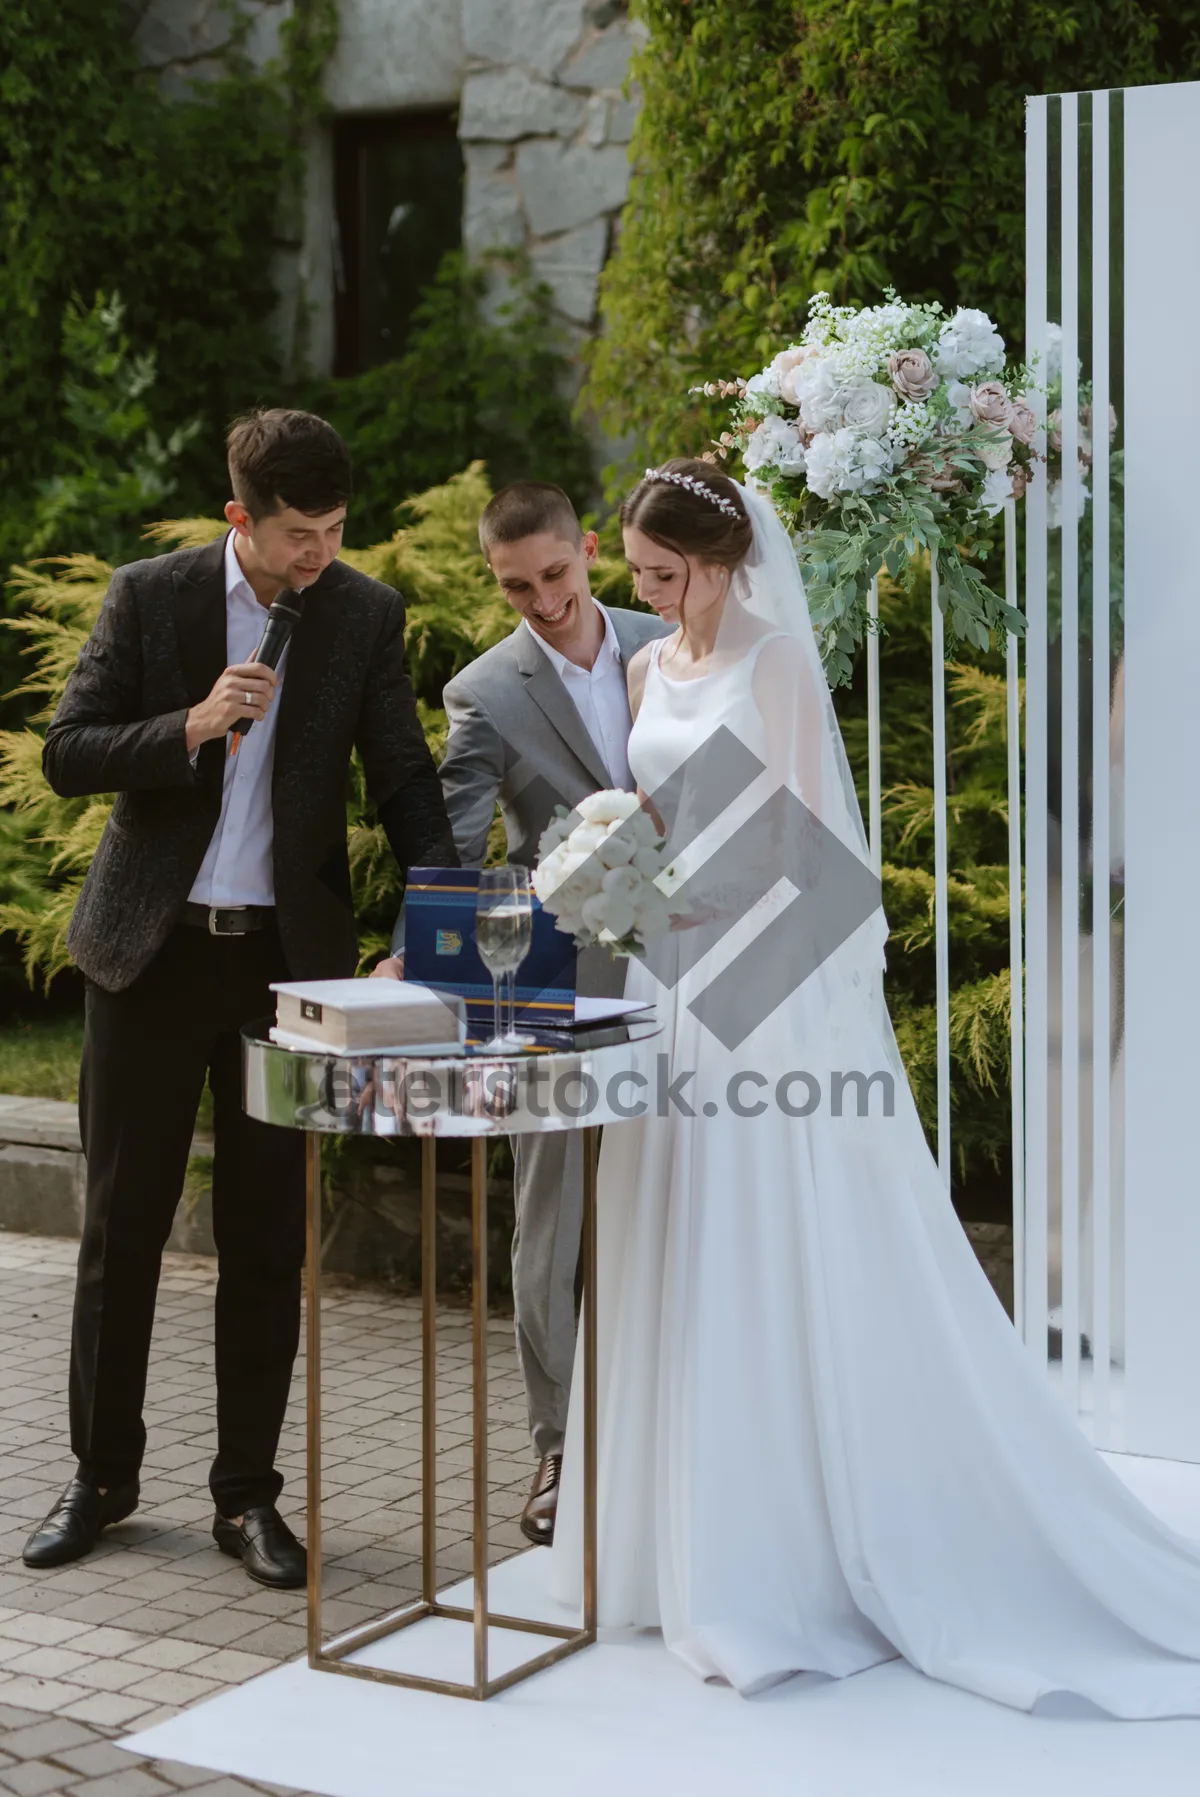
1066,499
776,443
847,461
763,386
1054,342
969,345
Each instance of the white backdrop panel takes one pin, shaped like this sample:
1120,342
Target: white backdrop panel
1162,760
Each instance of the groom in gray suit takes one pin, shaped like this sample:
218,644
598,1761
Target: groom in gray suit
542,719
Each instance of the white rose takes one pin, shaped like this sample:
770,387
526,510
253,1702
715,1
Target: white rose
866,404
618,847
607,807
776,442
556,831
608,911
785,369
651,915
549,874
997,487
644,830
585,839
623,882
969,344
818,384
647,861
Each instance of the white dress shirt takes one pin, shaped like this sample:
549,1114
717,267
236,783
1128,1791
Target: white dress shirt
237,867
600,696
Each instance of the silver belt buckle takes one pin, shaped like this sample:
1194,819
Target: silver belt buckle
215,910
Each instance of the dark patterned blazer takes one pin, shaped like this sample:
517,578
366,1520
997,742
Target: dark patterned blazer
157,648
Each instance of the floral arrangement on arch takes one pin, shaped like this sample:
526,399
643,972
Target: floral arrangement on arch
886,431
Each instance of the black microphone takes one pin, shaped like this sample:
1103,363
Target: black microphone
282,619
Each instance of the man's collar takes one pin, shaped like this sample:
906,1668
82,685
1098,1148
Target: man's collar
235,574
561,663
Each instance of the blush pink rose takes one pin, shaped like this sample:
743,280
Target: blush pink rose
990,404
912,374
1022,421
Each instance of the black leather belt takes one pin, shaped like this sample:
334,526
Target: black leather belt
229,920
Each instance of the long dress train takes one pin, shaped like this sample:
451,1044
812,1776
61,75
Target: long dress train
822,1444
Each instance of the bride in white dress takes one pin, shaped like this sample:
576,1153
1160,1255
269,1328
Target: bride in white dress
821,1443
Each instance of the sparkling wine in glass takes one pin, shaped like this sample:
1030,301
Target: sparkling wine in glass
503,933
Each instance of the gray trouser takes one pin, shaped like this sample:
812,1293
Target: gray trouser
548,1188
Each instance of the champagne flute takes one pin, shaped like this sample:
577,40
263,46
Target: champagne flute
503,934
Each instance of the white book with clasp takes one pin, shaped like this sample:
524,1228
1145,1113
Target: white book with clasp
367,1016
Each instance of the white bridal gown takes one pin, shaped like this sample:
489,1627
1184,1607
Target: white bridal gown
821,1442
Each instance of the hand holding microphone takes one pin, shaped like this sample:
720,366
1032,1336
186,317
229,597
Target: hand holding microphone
243,692
282,619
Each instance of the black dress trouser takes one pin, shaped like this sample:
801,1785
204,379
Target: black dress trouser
146,1053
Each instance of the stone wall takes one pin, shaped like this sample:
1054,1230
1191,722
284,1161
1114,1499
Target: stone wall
545,132
544,125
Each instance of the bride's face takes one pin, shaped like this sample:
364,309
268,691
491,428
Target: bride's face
672,582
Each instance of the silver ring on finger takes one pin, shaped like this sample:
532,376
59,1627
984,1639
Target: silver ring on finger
249,698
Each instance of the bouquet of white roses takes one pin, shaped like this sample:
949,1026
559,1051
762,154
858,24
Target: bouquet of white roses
601,873
884,431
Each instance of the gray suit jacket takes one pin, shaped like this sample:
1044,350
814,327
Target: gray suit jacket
517,740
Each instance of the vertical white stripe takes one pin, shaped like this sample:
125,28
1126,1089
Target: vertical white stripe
1036,1021
1070,752
941,929
1015,931
874,796
1101,841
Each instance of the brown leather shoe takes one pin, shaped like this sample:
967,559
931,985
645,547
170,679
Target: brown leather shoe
537,1518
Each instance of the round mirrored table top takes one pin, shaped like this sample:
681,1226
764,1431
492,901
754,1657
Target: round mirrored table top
605,1076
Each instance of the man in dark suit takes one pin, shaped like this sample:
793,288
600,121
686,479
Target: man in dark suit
218,873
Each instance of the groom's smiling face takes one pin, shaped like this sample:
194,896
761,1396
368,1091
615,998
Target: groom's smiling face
545,578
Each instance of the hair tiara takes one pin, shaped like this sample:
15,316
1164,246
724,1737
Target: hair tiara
698,487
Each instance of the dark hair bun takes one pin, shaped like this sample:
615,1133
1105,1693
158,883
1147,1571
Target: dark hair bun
691,507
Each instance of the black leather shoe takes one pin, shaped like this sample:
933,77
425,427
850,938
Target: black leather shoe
265,1546
73,1526
537,1518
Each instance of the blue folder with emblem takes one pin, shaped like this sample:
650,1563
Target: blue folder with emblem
439,950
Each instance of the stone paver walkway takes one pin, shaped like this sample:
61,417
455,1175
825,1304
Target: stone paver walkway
156,1618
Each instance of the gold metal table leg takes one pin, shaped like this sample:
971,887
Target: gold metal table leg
479,1421
335,1655
312,1198
588,1247
429,1369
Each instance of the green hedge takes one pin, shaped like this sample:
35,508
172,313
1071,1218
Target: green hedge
786,147
105,183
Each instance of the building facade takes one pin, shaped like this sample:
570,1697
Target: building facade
485,124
